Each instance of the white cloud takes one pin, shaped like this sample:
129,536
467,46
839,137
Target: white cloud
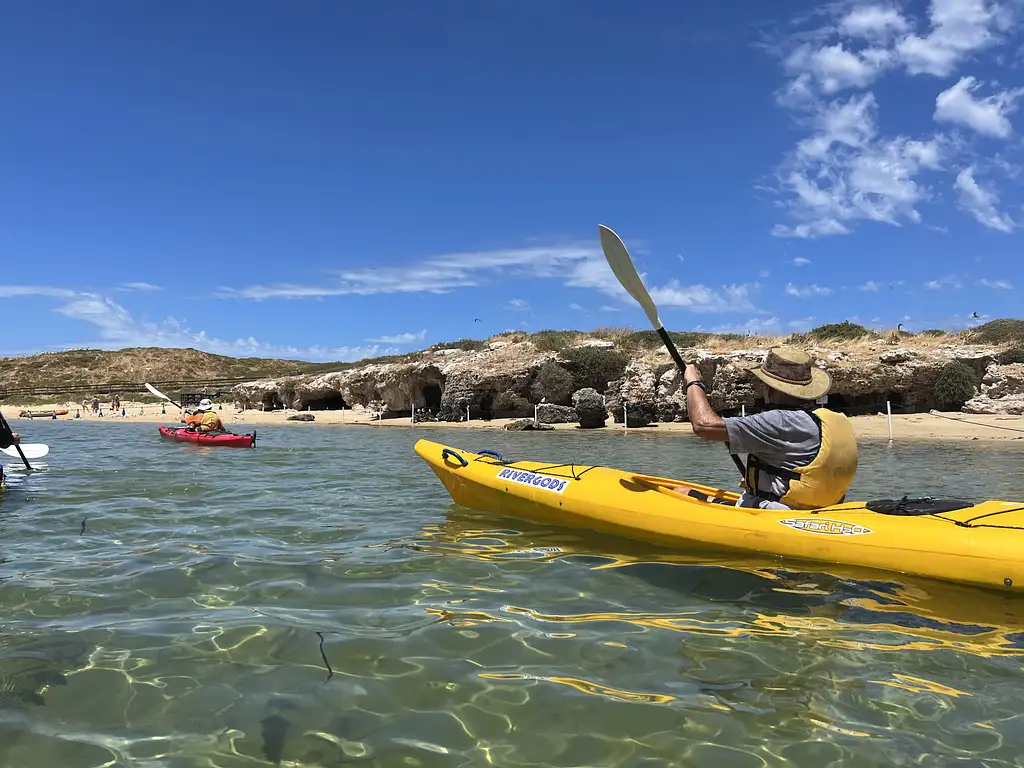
117,328
701,298
870,285
517,304
442,274
578,266
960,28
755,326
146,287
801,324
950,281
764,273
14,291
844,173
575,307
805,291
1002,285
988,116
401,338
609,308
800,261
844,170
876,23
834,68
981,203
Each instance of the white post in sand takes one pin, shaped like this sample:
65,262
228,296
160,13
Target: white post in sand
888,413
625,417
413,418
343,414
467,413
743,410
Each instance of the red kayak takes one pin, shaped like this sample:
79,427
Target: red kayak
226,439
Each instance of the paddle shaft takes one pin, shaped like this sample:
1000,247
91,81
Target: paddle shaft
622,266
667,341
671,347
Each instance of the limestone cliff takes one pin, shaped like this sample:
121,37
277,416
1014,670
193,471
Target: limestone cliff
499,380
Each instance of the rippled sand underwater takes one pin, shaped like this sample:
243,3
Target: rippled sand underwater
320,601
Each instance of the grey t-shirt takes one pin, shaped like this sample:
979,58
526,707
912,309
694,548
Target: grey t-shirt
784,438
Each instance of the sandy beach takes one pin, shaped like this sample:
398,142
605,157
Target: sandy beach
926,426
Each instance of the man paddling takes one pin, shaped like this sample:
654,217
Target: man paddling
798,456
205,419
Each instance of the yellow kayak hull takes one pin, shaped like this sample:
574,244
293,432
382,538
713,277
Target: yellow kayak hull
980,545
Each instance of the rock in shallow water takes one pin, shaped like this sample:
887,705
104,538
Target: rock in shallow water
526,425
548,413
590,409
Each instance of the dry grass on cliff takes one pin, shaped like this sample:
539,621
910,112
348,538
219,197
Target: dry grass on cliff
80,368
76,368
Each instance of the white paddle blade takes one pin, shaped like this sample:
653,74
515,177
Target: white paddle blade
31,450
156,391
622,265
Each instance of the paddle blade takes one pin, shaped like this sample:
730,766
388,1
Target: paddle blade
622,265
31,450
156,391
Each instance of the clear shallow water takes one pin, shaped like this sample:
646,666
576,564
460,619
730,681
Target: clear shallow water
320,601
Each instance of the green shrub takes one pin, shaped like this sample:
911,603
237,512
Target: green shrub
594,367
844,331
954,386
553,341
1013,355
934,332
467,345
1001,331
553,383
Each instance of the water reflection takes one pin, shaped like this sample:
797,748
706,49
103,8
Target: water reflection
843,607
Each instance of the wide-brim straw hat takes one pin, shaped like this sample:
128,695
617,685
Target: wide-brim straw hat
204,405
792,372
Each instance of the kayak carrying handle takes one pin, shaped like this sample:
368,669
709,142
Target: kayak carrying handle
449,452
492,454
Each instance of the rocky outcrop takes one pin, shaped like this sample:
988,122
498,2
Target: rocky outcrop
498,381
301,417
1002,391
527,425
591,411
548,413
634,396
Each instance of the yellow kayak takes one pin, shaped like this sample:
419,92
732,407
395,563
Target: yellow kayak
980,544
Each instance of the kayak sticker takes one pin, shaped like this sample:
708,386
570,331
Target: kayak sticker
825,526
532,478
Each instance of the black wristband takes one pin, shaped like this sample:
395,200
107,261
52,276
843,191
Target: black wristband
698,383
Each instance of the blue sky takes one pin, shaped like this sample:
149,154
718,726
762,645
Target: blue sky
335,180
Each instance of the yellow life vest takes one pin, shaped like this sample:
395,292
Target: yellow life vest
210,422
827,478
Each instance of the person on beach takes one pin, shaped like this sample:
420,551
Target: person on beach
205,419
799,455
